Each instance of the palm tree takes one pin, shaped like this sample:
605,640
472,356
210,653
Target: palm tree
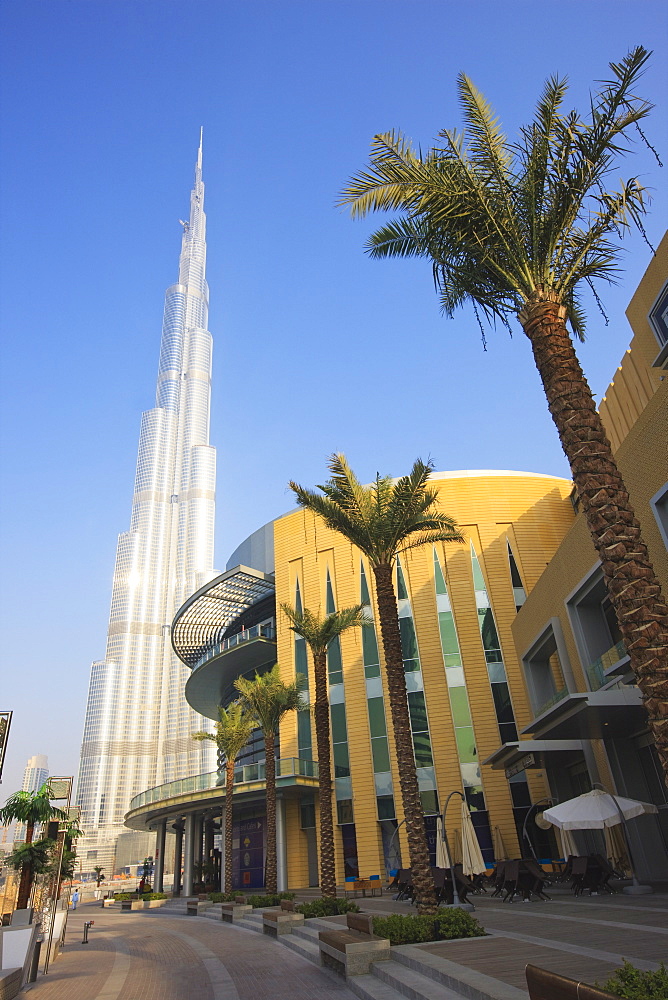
99,874
318,633
233,731
267,699
518,230
30,808
382,519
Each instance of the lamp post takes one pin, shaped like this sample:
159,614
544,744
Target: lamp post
455,895
635,889
525,832
389,849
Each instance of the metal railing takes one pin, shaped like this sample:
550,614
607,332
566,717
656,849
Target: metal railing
596,670
254,632
285,767
553,700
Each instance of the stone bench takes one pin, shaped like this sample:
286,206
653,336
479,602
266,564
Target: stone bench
150,904
351,952
231,912
196,906
281,921
10,983
546,985
132,904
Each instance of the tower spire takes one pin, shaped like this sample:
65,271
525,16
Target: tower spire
199,152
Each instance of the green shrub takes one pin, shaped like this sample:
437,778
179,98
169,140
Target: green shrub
154,895
270,899
125,895
412,929
634,984
327,907
222,897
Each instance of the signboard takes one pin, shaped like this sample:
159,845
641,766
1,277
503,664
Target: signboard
60,788
248,853
5,723
521,765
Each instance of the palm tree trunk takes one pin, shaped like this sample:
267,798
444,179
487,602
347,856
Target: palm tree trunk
401,723
270,785
25,882
229,793
321,713
634,590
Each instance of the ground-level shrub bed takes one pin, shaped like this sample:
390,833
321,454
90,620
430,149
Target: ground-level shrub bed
148,896
634,984
412,929
120,896
327,907
266,900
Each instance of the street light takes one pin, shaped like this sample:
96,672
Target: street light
455,895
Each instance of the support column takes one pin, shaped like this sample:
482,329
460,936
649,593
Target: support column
281,847
178,859
208,841
197,853
222,851
159,856
189,855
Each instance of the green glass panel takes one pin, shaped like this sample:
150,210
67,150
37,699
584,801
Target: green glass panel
465,745
372,671
365,597
301,662
490,638
429,802
461,713
307,812
402,593
334,662
452,659
298,599
329,597
377,718
336,677
438,576
304,739
422,748
410,665
446,626
478,578
385,804
408,640
369,645
418,711
381,755
341,760
344,811
339,728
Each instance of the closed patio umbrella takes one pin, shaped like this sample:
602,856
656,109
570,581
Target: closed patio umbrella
615,848
442,858
568,846
500,852
472,860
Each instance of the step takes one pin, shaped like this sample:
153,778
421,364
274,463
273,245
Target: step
306,933
454,976
248,924
370,988
302,946
409,983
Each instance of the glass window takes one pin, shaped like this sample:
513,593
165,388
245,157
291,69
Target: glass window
461,713
339,728
408,639
465,744
418,711
422,748
334,662
381,755
377,718
402,593
446,625
369,645
385,806
341,760
502,703
429,802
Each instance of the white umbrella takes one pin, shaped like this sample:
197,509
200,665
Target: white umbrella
568,846
472,861
500,852
595,810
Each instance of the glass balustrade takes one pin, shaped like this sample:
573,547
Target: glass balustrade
255,632
285,767
596,670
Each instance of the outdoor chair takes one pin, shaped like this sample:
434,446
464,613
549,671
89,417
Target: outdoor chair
497,877
578,874
532,880
607,872
511,874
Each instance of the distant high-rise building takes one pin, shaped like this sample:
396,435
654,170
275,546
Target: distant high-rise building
138,724
35,774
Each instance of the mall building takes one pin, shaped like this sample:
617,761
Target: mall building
518,684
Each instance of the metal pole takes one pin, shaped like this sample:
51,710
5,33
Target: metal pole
635,889
525,832
178,859
389,849
54,900
455,895
160,856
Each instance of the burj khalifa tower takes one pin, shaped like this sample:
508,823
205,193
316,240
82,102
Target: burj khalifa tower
138,724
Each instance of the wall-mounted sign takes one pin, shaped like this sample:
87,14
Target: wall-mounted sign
521,765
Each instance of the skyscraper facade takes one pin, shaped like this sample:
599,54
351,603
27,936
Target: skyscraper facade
138,724
35,774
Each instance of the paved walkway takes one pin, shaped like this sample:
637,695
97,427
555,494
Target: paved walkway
151,955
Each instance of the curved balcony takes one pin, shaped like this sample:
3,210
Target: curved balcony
213,675
204,791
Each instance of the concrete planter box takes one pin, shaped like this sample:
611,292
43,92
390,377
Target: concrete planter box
151,904
197,906
278,922
230,912
132,904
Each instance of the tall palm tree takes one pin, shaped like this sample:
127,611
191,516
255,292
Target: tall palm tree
267,698
234,728
318,633
382,519
30,808
518,229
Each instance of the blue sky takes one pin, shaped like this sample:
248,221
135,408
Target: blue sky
317,348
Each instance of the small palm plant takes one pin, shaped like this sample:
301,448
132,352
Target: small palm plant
519,230
381,520
31,808
234,728
319,633
99,874
267,698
